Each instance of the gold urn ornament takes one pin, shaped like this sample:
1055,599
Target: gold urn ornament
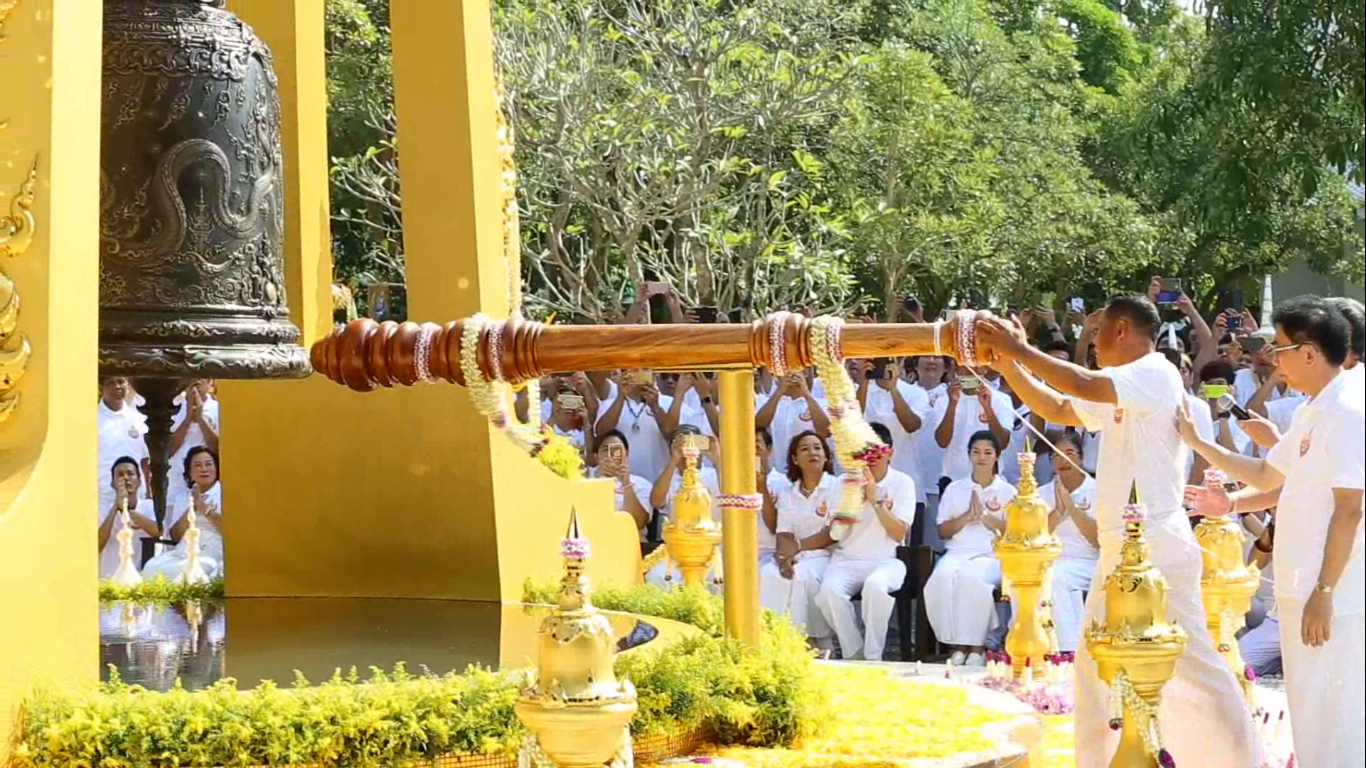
692,536
576,709
1227,585
1136,648
1027,550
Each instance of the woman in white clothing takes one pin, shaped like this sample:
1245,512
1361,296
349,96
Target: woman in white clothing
1073,521
790,581
633,491
959,595
206,497
126,478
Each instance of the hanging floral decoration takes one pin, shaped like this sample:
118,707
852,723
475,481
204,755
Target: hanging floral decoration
856,444
1125,702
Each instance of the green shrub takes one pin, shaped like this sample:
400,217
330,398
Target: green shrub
710,682
159,591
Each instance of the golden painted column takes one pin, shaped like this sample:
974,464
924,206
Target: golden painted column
49,244
402,492
294,31
739,521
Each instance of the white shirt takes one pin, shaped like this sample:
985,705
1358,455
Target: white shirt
1246,384
649,446
640,485
1324,449
120,434
109,556
1010,457
791,418
1204,425
968,421
693,413
210,538
709,480
867,540
1138,440
881,408
194,434
777,482
974,538
931,457
1282,412
804,516
1074,544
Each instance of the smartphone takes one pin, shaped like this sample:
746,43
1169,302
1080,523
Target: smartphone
570,401
1234,323
1077,304
971,384
879,371
616,452
1214,391
658,289
640,378
1169,291
706,315
912,303
1253,344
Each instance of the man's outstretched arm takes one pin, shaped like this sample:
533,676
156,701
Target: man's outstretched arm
1042,401
1006,339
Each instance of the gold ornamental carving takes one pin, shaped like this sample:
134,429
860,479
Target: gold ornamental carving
16,235
6,8
1027,550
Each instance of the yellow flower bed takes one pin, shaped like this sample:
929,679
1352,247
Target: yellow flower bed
876,720
1060,742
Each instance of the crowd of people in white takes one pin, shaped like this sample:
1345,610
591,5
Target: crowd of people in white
124,469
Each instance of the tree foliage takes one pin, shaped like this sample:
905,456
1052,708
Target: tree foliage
810,153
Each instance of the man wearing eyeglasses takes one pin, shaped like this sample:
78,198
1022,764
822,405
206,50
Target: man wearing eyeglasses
1319,465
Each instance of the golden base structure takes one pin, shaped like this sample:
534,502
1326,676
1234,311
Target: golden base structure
692,537
1227,586
575,707
1027,551
1136,648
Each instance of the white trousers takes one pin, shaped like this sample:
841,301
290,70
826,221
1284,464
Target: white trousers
796,597
1071,578
877,580
959,598
1260,647
1326,690
1205,720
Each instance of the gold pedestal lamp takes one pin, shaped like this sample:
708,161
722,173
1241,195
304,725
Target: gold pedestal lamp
1136,648
692,536
1027,550
575,707
1227,586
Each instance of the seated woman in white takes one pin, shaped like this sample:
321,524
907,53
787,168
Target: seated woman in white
633,492
206,498
662,495
126,478
789,582
958,595
865,562
1072,495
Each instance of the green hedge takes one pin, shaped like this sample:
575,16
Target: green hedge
159,591
758,699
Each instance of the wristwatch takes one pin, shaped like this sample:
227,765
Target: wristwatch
1322,588
706,401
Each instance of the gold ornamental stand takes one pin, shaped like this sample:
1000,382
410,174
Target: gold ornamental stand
692,536
1227,586
1027,550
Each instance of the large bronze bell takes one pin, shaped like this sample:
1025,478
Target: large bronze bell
191,206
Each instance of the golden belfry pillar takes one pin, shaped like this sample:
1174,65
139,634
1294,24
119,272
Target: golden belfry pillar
405,492
49,245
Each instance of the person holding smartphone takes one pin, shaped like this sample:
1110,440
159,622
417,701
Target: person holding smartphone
632,491
903,408
972,405
793,410
645,416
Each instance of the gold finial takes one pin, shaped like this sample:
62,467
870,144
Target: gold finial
1133,494
574,588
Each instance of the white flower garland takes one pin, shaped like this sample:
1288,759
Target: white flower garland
1125,702
855,442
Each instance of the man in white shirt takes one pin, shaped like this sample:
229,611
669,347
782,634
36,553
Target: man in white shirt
1320,467
1130,402
963,414
865,561
126,478
929,379
121,430
902,408
641,413
792,411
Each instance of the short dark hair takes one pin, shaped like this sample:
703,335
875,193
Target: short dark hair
986,436
189,459
884,434
1173,356
1136,310
764,436
1217,369
684,429
608,435
1355,315
794,472
1059,437
1311,320
120,461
